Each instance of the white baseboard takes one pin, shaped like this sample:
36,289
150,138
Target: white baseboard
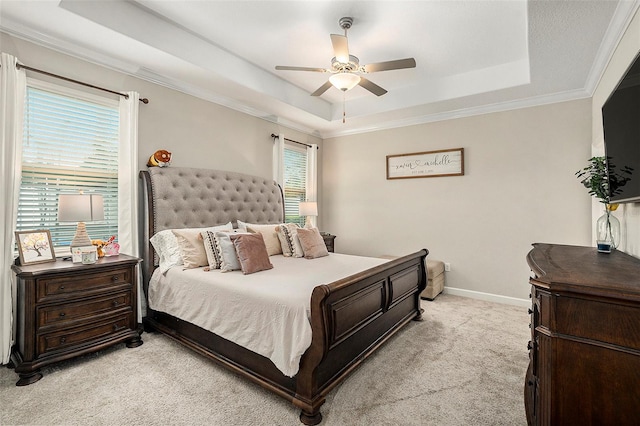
487,296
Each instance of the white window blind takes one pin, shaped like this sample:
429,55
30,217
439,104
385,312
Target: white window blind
295,176
70,145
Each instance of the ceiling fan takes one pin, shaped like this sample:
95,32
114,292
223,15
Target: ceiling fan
346,68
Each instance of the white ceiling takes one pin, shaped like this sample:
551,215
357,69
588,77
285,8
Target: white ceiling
472,56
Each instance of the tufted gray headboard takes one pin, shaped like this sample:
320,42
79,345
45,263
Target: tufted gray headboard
180,197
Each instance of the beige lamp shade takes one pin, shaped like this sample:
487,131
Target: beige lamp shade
308,209
80,208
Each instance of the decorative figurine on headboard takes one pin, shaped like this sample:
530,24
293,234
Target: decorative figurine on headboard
160,158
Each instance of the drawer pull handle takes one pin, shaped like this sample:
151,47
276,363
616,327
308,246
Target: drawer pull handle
529,311
115,278
115,303
530,382
61,287
62,314
530,345
63,340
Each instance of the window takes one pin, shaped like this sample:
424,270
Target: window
295,179
70,144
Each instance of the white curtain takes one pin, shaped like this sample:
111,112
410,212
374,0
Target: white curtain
12,94
312,178
278,160
128,183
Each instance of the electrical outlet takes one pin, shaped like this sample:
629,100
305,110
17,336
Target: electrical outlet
447,267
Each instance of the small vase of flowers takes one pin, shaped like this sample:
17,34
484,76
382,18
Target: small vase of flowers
603,181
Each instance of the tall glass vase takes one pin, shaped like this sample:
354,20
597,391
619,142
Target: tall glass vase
608,230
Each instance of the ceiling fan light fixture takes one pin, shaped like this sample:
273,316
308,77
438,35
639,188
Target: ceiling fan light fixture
344,80
345,68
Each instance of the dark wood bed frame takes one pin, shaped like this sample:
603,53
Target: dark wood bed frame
350,319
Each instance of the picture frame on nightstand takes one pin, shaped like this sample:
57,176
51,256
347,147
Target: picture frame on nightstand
35,247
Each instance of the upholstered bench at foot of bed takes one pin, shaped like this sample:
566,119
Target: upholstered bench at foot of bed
435,280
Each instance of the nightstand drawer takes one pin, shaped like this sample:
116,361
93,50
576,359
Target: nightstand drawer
82,284
83,310
67,338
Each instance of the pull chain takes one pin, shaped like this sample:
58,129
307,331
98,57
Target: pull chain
344,114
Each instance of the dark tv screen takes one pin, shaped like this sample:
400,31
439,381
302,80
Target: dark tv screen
621,122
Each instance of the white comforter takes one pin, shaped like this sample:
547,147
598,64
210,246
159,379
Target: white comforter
266,312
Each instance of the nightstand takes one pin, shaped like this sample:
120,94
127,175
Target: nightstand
328,241
68,309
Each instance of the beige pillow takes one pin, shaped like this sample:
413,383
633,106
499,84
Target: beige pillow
191,245
271,240
312,243
252,252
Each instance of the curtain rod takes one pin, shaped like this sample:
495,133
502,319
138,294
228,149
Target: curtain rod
18,65
273,135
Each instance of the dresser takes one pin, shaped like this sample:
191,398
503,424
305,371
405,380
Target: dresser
585,337
67,309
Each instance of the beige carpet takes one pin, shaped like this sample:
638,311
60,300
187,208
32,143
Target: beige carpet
463,365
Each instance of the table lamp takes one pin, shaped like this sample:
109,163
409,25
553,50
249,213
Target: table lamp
80,208
308,209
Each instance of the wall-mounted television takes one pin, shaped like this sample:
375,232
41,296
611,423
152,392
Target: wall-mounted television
621,122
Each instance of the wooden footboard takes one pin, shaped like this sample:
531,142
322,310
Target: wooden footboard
350,319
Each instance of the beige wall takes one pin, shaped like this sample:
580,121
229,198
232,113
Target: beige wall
519,187
197,132
628,48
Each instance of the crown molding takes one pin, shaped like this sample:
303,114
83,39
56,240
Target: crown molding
624,13
88,55
198,92
466,112
23,32
71,49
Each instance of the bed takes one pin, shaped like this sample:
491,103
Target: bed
349,317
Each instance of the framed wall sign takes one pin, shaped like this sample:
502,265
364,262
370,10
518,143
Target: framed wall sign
35,247
445,162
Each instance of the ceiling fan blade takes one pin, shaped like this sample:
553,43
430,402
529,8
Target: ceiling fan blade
340,47
322,89
372,87
391,65
286,68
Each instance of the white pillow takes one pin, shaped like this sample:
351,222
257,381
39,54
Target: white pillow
269,235
229,257
166,245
